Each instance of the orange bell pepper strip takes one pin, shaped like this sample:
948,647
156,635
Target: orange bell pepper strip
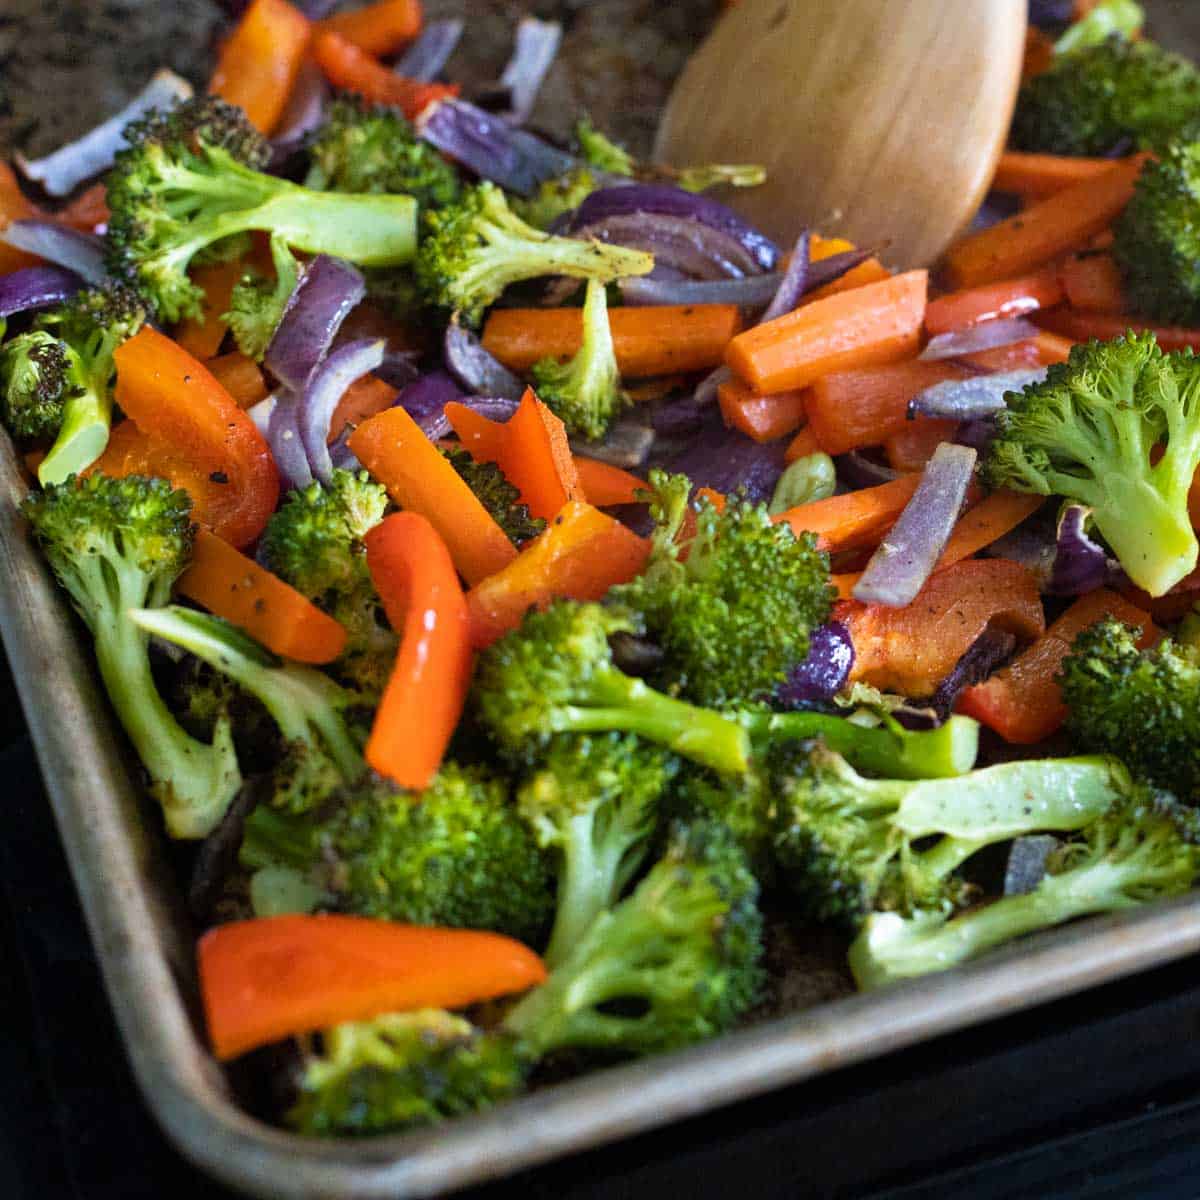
1036,176
763,418
1008,298
380,29
870,325
228,583
911,448
579,556
423,701
853,520
418,477
274,977
176,401
1093,283
258,63
1083,326
605,485
1022,701
1038,351
14,206
240,376
871,271
911,650
352,70
202,336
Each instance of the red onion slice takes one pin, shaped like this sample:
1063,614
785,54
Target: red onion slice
1080,564
305,110
260,414
906,557
724,460
425,58
73,249
287,446
536,46
859,470
321,396
987,335
754,291
626,444
683,244
36,287
971,399
824,672
425,400
479,373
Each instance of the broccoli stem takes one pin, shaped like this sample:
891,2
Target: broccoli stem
87,422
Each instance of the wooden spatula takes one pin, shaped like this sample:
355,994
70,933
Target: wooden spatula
878,120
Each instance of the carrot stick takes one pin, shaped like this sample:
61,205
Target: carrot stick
1038,351
802,445
395,451
258,63
910,448
870,325
580,555
1036,176
273,977
14,206
380,29
202,336
228,583
855,519
655,340
871,271
851,409
362,399
1008,298
87,210
605,485
423,701
350,69
1083,326
1093,283
1061,222
764,418
240,376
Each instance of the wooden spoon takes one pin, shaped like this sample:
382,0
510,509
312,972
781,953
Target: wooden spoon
877,120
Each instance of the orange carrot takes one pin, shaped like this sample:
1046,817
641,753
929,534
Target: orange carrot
258,63
605,485
423,701
987,522
14,206
910,448
362,399
1036,176
1008,298
655,340
1061,222
87,210
350,69
1038,351
235,587
380,29
871,271
392,447
1082,326
240,376
580,555
202,336
870,325
1092,283
274,977
851,409
1039,52
802,445
856,519
764,418
1022,702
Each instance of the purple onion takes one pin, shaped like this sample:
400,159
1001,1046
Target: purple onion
325,388
260,414
1050,13
1033,544
626,444
425,400
326,293
753,291
314,10
985,654
987,335
36,287
976,433
80,252
996,207
1027,859
61,172
425,58
725,460
287,446
478,371
399,367
665,200
1080,565
824,672
972,398
678,417
906,557
533,55
679,244
859,470
305,110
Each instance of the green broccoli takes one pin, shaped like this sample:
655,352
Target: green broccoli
585,391
1098,98
1087,433
674,963
1142,850
556,197
601,151
116,545
555,674
493,490
456,854
190,182
35,374
473,249
257,302
400,1070
1122,17
594,800
369,148
732,604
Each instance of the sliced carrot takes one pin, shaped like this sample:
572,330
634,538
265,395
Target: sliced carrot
580,555
202,336
1036,176
605,485
14,206
350,69
802,445
1022,702
910,448
871,271
646,391
240,376
870,325
259,61
228,583
856,519
1038,351
1039,52
364,398
1093,283
275,977
1008,298
655,340
1061,222
423,701
1083,326
380,29
763,418
87,210
851,409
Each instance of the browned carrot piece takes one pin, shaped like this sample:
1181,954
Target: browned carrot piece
764,418
1036,176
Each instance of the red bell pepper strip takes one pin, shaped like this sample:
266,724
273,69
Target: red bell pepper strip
350,69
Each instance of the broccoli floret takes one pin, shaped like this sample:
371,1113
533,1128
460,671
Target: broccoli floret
556,197
601,151
258,302
732,604
847,845
493,490
1141,705
191,179
585,391
400,1070
116,545
473,249
1142,850
315,542
680,957
368,148
555,674
456,854
36,377
1122,17
1086,433
594,800
1095,99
